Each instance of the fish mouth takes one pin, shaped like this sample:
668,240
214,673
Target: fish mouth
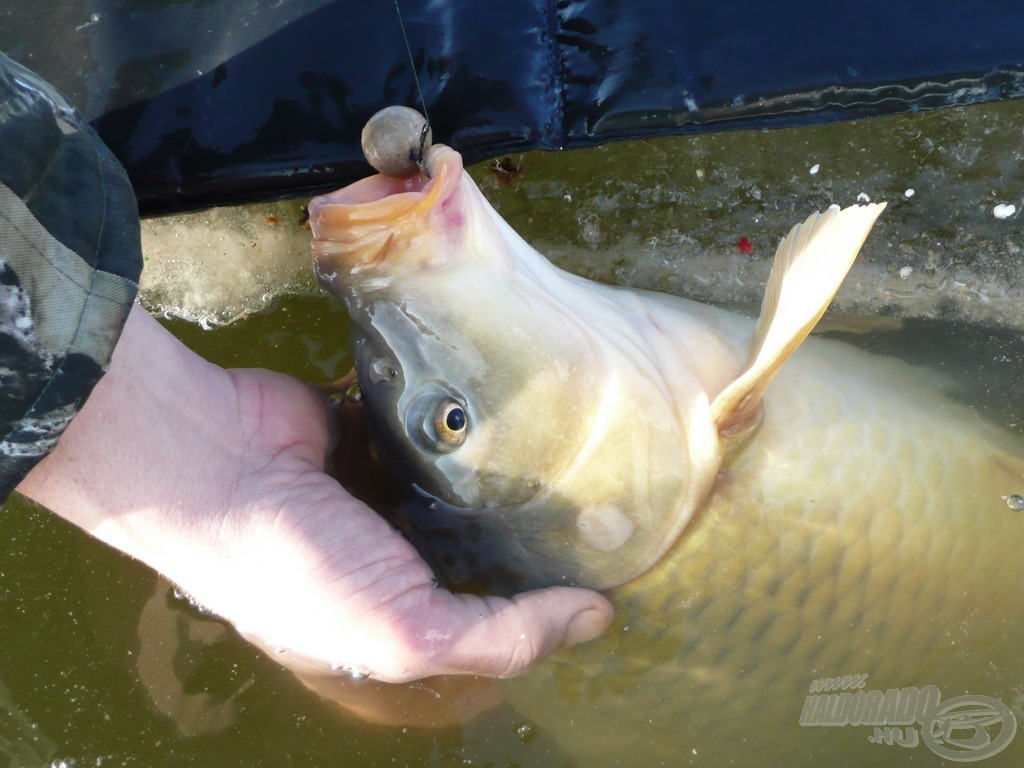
379,200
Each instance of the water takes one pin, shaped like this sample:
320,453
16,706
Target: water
100,663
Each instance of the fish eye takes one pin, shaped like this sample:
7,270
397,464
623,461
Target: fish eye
437,421
450,423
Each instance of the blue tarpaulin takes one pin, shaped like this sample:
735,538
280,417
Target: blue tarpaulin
215,101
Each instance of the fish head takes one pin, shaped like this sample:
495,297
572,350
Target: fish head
452,357
491,386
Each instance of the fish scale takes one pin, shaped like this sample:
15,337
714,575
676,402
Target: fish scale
799,569
796,509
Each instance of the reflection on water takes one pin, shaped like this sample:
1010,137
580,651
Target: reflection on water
101,665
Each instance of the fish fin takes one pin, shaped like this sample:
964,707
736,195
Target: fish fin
810,265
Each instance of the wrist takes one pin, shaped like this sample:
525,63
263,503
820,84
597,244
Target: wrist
150,442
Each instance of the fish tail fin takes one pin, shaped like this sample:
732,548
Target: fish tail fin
810,265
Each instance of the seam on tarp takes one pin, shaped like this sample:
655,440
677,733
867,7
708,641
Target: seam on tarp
555,130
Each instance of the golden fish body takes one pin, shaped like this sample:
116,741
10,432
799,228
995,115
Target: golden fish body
769,511
864,533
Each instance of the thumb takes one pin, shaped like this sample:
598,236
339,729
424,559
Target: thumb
505,637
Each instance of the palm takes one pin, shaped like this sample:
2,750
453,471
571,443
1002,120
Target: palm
216,479
333,585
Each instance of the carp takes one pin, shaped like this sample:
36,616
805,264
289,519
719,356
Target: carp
767,509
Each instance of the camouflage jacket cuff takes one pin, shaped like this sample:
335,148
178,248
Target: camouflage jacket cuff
70,258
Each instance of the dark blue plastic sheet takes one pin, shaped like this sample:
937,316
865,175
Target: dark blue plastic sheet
214,101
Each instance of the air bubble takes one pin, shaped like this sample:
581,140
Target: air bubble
355,672
526,733
590,229
1015,502
354,394
180,594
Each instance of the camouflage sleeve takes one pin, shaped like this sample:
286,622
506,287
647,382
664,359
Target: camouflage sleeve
70,258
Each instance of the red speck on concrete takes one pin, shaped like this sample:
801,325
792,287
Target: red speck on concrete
744,245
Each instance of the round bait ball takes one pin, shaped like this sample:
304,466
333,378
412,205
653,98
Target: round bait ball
395,139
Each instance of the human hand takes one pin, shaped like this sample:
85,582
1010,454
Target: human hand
215,478
348,588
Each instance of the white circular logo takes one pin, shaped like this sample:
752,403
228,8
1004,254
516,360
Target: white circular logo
969,728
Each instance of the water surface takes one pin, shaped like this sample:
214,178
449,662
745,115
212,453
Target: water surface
101,664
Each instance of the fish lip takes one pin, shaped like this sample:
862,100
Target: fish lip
384,199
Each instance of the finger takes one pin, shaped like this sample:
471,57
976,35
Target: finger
504,638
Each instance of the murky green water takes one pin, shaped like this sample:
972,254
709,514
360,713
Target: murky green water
101,665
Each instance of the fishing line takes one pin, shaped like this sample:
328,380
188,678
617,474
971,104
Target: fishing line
419,90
